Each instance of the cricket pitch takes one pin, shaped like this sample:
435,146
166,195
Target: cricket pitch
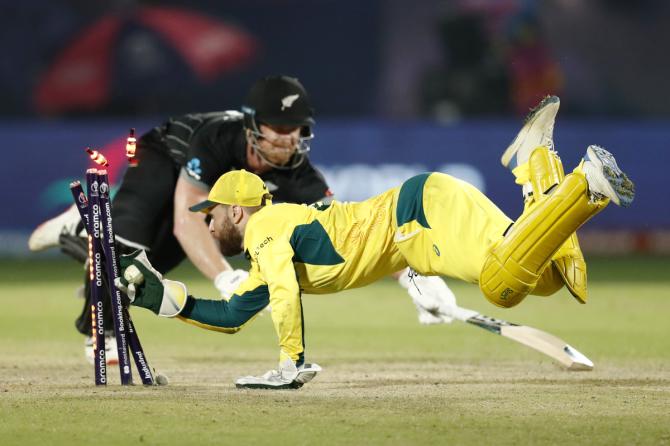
386,379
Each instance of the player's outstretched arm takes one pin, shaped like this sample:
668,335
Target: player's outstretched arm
272,261
227,316
145,287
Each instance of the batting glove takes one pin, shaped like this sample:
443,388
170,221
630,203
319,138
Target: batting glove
228,281
145,287
287,377
434,301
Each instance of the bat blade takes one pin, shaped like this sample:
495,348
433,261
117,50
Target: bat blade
548,344
538,340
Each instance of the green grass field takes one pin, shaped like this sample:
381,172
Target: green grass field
386,379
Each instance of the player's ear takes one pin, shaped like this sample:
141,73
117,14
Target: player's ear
237,212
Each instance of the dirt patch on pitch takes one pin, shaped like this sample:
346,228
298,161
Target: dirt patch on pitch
350,380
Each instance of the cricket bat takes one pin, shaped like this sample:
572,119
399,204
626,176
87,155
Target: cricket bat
539,340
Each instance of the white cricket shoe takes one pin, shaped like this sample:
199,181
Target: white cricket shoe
605,178
538,130
283,379
270,380
46,235
111,353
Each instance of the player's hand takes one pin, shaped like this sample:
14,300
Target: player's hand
145,287
287,377
228,281
433,299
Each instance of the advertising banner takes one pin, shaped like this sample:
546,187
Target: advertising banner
358,158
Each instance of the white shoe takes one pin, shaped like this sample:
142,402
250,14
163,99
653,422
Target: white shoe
46,235
605,178
538,130
280,379
270,380
111,353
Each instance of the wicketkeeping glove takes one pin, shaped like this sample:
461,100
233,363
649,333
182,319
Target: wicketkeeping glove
433,299
228,281
287,377
145,287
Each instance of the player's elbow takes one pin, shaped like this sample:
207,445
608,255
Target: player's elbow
180,229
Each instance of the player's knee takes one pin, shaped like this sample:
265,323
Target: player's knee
503,286
550,282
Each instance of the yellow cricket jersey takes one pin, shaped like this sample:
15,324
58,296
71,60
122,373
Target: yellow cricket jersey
297,249
345,245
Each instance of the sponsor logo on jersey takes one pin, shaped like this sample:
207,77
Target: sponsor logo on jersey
262,245
288,101
193,168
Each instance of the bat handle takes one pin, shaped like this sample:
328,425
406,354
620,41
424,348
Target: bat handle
463,314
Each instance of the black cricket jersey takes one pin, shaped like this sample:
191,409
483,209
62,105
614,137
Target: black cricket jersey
207,145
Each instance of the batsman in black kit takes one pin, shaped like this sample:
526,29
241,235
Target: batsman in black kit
177,164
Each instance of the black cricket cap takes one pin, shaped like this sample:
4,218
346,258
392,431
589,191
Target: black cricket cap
279,100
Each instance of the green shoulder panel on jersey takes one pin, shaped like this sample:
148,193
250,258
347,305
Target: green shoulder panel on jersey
410,201
226,316
312,245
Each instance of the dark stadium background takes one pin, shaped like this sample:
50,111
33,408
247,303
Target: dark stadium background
399,87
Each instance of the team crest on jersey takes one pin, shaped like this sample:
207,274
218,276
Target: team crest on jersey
288,101
193,168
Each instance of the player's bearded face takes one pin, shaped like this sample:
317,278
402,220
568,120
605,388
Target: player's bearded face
278,143
224,230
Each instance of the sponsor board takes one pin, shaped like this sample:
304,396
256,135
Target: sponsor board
359,158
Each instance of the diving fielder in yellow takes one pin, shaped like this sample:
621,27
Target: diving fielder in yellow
434,223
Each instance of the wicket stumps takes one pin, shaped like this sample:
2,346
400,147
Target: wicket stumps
95,282
95,211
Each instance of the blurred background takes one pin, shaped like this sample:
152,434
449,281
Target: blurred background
399,87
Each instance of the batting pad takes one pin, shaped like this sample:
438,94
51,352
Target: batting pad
514,265
546,171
